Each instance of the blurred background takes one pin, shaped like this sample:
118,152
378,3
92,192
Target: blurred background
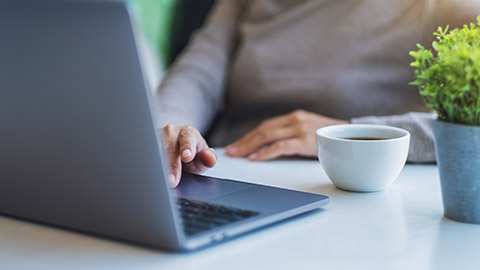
163,28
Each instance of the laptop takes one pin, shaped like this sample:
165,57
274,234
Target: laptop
79,146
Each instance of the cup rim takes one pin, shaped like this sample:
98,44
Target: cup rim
321,132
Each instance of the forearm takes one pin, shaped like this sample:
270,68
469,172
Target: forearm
420,127
192,92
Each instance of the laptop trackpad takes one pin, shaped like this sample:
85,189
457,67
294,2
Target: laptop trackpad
203,188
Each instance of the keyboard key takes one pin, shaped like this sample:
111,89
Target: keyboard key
200,216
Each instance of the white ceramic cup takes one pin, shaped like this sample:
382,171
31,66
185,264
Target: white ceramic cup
362,165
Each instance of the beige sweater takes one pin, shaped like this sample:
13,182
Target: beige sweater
346,59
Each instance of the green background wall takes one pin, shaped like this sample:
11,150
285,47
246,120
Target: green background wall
155,18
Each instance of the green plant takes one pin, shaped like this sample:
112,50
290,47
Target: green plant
449,79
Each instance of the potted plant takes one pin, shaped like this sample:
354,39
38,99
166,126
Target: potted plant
449,82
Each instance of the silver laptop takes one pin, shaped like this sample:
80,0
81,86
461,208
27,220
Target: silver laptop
78,145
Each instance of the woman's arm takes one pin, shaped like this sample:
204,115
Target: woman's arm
294,134
420,127
192,91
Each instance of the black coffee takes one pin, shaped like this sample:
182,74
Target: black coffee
366,138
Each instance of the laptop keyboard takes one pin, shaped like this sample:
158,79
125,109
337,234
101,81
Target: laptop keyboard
200,216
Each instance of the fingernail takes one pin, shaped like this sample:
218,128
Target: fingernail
186,153
253,156
171,178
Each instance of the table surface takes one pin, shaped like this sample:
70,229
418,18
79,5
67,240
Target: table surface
399,228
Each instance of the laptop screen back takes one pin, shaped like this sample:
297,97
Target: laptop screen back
75,124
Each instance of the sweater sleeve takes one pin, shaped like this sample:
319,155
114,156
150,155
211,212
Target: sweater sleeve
420,127
192,92
439,13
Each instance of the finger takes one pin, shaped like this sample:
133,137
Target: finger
208,157
175,172
277,149
258,138
170,135
175,164
274,123
188,140
205,159
172,152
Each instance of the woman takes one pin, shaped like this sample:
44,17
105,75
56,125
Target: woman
271,72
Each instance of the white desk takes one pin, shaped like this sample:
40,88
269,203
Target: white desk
399,228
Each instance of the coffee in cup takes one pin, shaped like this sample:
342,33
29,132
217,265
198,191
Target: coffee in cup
361,157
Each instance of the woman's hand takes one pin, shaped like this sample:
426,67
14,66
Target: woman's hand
290,134
186,150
